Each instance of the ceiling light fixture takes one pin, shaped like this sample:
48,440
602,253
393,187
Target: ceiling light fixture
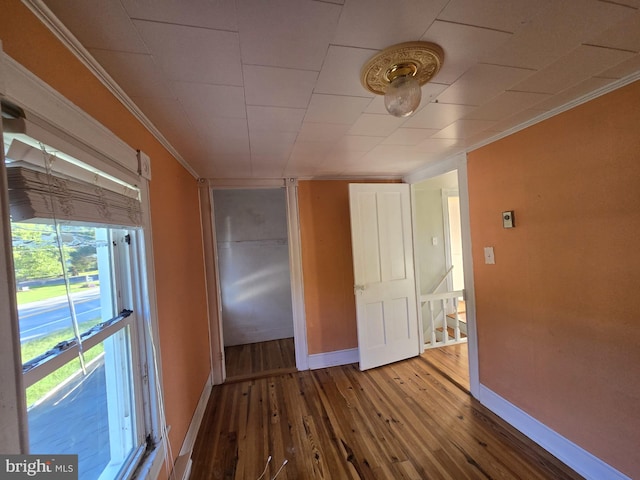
398,72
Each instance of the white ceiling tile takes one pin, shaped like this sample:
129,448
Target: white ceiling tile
267,167
462,129
356,143
576,91
506,104
340,73
462,45
321,132
222,149
278,87
114,31
377,24
375,125
409,136
584,62
220,14
269,143
335,109
301,76
203,100
286,33
136,73
436,145
344,157
438,115
275,119
429,92
236,167
167,115
193,54
481,83
624,35
225,128
623,69
517,119
555,31
507,16
311,154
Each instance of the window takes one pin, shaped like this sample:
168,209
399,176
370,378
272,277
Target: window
86,349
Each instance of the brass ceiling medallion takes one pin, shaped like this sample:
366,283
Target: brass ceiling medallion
421,60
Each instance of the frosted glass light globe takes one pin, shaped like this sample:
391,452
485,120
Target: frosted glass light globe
403,96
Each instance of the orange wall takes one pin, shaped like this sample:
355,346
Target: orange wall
175,215
557,315
327,264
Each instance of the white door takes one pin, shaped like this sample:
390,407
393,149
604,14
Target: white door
385,290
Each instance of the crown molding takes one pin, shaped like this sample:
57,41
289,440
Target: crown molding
62,33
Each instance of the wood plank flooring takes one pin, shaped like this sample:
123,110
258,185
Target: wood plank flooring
401,421
452,361
261,359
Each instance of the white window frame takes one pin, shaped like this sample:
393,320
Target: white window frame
100,148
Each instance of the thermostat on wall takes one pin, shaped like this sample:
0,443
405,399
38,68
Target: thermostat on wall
507,219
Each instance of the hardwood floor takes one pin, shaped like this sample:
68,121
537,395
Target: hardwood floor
452,361
401,421
261,359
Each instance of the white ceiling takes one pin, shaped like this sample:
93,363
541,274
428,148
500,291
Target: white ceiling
271,88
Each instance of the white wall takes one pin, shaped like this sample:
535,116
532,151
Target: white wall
429,224
253,261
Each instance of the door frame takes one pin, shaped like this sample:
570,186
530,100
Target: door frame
446,194
459,163
214,293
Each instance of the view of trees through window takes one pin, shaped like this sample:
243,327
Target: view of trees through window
66,281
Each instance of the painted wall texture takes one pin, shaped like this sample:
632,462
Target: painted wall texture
558,329
177,237
327,264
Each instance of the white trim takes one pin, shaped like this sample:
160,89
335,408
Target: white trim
212,284
416,269
13,415
46,16
333,359
192,432
583,462
295,269
446,193
295,266
42,102
469,285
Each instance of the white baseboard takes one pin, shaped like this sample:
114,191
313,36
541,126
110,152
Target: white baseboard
182,465
583,462
333,359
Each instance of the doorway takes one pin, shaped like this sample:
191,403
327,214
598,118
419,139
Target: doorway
255,285
440,270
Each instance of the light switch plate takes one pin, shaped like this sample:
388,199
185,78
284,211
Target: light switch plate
489,257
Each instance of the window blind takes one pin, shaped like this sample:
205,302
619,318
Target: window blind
37,195
47,183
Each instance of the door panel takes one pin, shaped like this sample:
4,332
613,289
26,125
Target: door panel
384,274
